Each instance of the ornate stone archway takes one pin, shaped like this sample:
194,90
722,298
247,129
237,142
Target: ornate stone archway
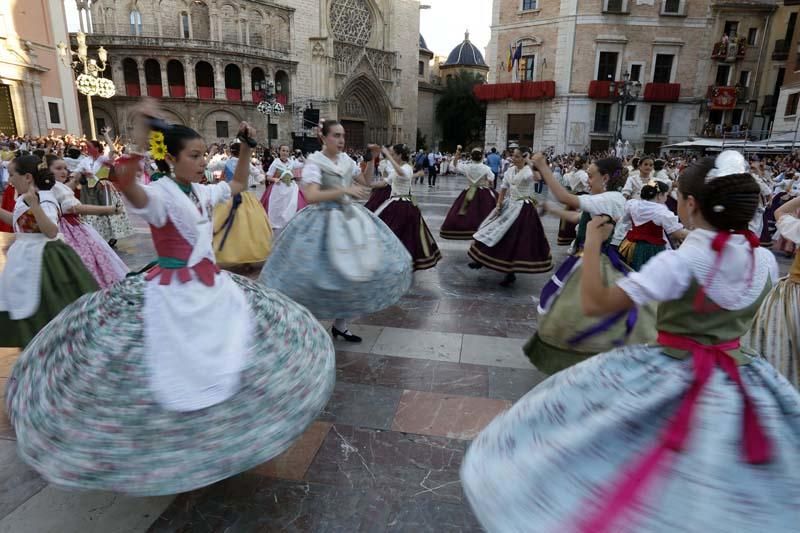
365,112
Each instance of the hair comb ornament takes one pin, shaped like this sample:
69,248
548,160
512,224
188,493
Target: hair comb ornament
42,165
727,163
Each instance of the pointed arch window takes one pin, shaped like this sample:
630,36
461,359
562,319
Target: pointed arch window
136,22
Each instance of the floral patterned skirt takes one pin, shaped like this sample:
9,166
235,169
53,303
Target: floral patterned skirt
551,462
111,226
85,417
104,264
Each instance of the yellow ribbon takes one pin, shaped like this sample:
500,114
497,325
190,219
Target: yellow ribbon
471,192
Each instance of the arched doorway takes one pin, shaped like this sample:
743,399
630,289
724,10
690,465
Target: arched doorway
152,76
176,79
364,113
130,73
204,79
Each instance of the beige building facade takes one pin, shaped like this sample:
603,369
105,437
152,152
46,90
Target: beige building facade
37,94
783,81
208,60
574,52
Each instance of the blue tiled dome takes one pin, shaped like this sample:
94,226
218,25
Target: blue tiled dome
422,44
466,54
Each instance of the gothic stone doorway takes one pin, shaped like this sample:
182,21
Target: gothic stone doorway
364,112
355,135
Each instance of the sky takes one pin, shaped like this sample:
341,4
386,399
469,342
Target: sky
443,25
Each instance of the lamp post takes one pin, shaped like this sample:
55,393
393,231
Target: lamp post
89,82
268,106
624,92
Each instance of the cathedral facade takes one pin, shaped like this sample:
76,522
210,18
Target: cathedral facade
208,62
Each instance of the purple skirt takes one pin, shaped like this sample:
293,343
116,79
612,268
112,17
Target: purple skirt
524,247
461,224
377,197
405,220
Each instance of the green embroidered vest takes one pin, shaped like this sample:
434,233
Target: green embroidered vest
713,327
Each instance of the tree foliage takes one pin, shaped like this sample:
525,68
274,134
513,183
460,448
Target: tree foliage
461,117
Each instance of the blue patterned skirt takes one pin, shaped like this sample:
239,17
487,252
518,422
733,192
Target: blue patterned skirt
548,463
85,417
301,268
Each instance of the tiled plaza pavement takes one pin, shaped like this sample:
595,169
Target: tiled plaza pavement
384,454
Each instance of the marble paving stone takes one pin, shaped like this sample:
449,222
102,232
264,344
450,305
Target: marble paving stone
416,374
455,417
8,356
512,383
18,482
6,429
368,334
423,513
418,344
277,505
54,510
379,460
494,351
293,463
362,405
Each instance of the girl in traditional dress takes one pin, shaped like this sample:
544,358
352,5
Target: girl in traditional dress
691,434
336,257
381,191
135,390
649,220
775,331
42,274
104,264
512,238
638,179
475,203
565,335
97,190
242,232
283,197
400,211
578,183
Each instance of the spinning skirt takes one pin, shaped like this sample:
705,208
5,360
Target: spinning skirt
301,200
566,336
523,249
85,417
405,220
552,461
242,232
112,226
377,197
461,223
104,264
300,266
775,333
64,280
7,203
636,254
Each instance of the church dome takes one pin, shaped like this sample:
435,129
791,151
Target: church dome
465,54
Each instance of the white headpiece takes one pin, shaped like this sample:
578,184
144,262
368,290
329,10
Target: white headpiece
728,162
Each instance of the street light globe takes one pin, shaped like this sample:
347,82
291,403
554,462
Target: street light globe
87,84
105,88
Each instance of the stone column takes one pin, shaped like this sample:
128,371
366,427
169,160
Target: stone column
219,80
246,32
142,78
188,76
164,80
247,84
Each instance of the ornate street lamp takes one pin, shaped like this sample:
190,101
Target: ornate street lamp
268,106
624,92
88,70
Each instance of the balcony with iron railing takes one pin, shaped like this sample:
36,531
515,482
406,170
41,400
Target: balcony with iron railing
781,50
149,37
730,51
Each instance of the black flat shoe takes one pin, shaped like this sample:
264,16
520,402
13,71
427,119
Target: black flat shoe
112,243
509,280
346,335
475,266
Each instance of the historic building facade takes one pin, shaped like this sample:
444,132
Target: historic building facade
696,64
783,76
208,61
37,94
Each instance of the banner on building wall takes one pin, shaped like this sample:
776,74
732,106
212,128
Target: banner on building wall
723,98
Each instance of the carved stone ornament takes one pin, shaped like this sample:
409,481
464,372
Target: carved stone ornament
351,21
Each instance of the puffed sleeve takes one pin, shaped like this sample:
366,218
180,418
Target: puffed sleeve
155,212
311,174
789,227
664,277
66,198
669,221
607,203
218,192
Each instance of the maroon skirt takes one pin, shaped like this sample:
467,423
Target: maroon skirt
377,197
524,248
405,220
567,231
460,226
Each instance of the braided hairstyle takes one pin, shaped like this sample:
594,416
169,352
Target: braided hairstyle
653,189
402,151
476,155
33,165
728,202
612,167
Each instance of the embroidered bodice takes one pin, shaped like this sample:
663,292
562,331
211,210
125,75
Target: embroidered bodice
23,219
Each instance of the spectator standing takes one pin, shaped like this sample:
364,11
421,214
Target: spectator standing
494,161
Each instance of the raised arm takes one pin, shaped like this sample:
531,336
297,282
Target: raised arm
241,174
539,162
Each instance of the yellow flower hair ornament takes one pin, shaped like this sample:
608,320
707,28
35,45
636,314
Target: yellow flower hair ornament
158,150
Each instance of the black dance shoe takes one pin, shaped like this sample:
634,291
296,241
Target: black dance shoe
346,335
509,280
112,243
